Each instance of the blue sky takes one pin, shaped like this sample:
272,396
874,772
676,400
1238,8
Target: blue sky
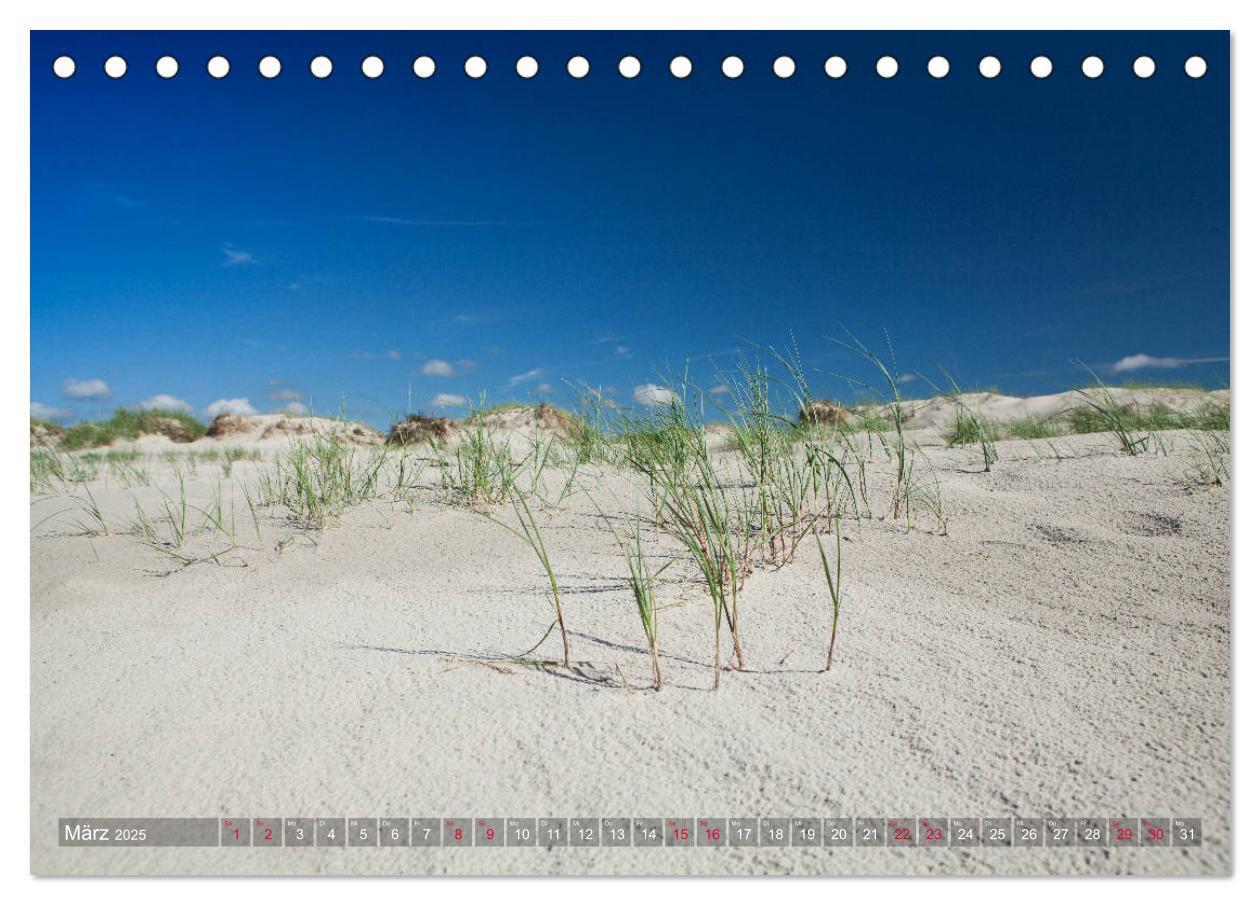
363,242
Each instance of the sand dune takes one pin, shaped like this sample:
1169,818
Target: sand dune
525,422
939,411
1063,650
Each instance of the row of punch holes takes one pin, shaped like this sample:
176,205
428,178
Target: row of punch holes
578,67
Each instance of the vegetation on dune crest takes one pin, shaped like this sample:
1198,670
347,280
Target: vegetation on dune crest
1101,412
127,424
419,429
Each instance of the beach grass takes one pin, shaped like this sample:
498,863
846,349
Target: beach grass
892,381
831,571
318,478
588,434
707,517
643,585
1030,427
480,470
1210,465
94,525
971,427
528,532
47,470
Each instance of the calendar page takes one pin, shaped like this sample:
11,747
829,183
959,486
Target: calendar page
652,453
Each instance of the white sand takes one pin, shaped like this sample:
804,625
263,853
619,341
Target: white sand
1063,651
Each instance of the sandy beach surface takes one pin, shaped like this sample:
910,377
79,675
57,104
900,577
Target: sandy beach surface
1063,649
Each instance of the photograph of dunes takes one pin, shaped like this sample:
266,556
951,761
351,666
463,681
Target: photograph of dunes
556,425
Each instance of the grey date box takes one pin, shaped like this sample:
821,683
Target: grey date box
553,831
837,831
649,831
1030,832
1091,831
710,832
234,831
361,832
394,832
521,832
584,832
1060,831
1187,831
743,832
680,832
426,832
964,831
330,832
1124,832
299,832
268,832
806,831
997,831
616,832
869,831
457,832
900,832
933,831
776,831
1156,831
488,832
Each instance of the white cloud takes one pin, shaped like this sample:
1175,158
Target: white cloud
905,378
521,378
85,389
297,408
544,388
720,390
235,256
448,400
238,406
284,396
1141,361
622,351
163,401
43,412
1137,362
393,355
651,394
437,367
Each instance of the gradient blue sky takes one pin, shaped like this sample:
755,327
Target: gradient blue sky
298,240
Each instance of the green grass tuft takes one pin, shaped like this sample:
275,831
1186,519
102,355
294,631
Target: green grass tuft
317,479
